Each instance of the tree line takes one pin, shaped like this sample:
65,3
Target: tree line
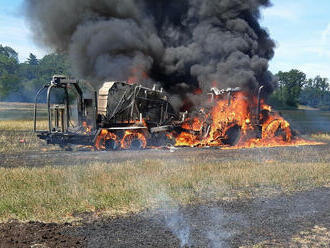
295,88
20,81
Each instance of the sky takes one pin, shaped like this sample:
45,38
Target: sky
300,28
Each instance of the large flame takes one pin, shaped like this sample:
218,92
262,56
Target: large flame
231,121
235,122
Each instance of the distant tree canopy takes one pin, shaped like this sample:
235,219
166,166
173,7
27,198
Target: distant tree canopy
294,88
8,71
20,81
316,93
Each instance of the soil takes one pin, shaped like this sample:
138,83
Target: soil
299,220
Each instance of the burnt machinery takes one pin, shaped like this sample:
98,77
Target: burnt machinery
117,107
118,115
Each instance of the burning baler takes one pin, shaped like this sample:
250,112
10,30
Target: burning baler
132,116
118,115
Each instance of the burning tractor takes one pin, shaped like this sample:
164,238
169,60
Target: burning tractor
131,116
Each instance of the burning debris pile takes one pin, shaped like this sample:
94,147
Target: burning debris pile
237,120
210,56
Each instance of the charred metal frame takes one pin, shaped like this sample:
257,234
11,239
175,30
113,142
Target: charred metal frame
60,133
63,83
133,108
63,137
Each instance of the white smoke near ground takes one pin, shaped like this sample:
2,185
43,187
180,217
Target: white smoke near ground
173,218
216,232
196,226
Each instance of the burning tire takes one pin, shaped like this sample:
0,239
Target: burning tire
110,145
161,139
133,141
136,144
232,135
277,128
106,141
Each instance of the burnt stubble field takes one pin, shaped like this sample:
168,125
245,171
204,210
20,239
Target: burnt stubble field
166,197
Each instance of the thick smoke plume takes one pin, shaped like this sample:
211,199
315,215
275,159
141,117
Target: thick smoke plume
200,43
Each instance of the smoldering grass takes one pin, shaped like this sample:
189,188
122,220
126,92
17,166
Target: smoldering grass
57,193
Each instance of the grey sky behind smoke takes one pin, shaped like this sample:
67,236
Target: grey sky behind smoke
202,43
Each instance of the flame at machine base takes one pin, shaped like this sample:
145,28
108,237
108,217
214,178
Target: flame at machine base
131,116
237,123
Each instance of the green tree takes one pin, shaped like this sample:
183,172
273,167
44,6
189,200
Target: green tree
322,85
53,64
9,80
20,81
32,59
9,52
315,93
29,70
290,86
35,76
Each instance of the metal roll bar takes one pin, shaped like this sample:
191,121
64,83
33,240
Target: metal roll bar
36,106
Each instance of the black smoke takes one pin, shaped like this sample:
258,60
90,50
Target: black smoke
199,43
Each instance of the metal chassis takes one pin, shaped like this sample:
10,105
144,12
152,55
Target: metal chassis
63,137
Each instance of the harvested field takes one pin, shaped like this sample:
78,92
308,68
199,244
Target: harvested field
170,197
19,111
299,220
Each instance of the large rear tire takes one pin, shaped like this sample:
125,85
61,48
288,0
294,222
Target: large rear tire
110,145
233,134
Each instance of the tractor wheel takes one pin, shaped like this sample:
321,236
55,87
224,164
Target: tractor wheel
136,144
110,145
233,134
277,128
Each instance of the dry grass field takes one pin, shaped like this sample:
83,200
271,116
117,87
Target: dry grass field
56,193
120,189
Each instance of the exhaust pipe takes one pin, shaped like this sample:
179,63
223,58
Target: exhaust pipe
259,103
259,127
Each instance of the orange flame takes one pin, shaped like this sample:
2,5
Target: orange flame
103,137
230,123
128,140
87,128
133,136
235,123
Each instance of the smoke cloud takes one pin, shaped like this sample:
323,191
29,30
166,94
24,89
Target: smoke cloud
200,43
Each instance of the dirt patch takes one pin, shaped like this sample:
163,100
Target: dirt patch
37,234
299,220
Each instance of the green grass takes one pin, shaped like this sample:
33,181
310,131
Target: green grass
55,193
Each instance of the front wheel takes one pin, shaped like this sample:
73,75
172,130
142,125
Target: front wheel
232,135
